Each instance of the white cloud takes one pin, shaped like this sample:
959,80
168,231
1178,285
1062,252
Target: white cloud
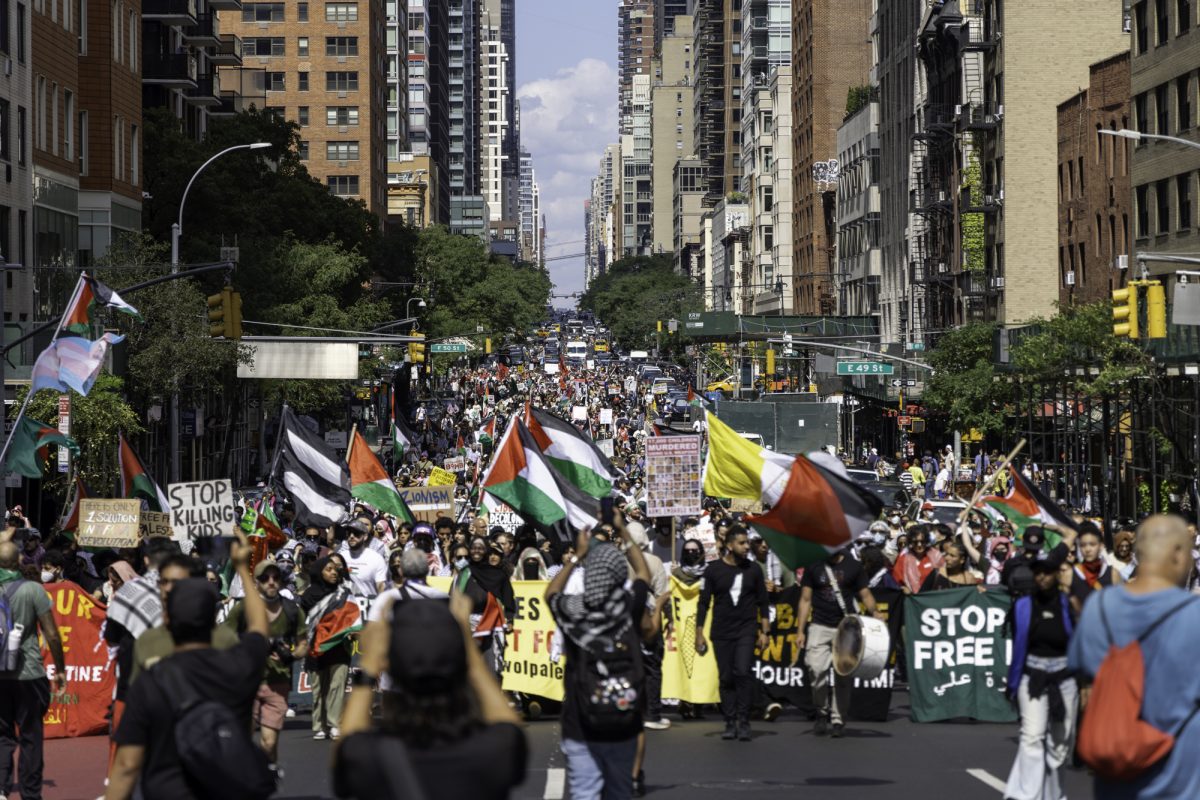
566,122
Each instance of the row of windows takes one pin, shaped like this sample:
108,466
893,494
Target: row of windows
334,151
1165,214
267,46
1157,14
334,81
1161,119
339,116
274,12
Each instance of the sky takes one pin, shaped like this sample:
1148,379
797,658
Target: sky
567,87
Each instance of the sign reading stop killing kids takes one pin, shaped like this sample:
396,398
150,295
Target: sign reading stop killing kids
673,476
202,509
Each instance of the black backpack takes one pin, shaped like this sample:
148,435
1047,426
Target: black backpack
611,687
218,755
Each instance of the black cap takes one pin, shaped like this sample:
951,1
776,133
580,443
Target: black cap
427,650
1034,538
192,605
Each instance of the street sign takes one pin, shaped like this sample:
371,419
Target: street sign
903,422
898,382
864,368
447,347
918,347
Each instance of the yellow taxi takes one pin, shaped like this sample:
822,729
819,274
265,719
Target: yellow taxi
601,346
720,386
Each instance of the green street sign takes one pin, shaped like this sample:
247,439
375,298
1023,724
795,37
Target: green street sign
918,347
864,368
447,348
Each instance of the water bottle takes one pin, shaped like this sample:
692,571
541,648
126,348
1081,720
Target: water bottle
12,647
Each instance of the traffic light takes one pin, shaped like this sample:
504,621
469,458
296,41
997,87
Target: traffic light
487,346
225,314
770,362
416,350
216,314
1125,311
1156,311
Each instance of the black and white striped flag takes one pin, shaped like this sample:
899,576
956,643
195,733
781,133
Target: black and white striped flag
317,480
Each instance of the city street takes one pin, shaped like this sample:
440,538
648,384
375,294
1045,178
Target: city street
957,760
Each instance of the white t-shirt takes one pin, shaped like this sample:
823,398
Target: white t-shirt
367,570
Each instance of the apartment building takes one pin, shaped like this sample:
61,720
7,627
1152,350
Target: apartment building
779,172
495,119
428,77
1093,186
601,219
635,51
688,188
717,76
671,126
325,65
667,12
16,188
531,212
464,114
636,191
180,48
859,258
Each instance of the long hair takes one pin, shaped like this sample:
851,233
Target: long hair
427,718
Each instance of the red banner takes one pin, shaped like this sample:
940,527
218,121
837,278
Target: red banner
91,677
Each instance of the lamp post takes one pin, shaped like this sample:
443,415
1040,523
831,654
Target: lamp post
176,232
1137,136
408,308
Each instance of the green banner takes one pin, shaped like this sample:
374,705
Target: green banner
958,653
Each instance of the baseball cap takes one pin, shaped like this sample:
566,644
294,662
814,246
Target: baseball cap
265,565
422,529
358,525
427,650
192,604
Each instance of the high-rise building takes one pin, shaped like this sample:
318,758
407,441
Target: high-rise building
859,262
637,197
327,71
601,223
780,173
666,12
495,119
832,53
428,98
717,75
635,51
671,126
531,224
688,187
180,47
464,88
16,194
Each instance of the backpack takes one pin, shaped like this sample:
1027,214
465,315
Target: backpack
10,657
215,748
1114,740
610,687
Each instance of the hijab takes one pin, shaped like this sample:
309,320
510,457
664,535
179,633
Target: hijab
492,579
596,619
529,554
318,587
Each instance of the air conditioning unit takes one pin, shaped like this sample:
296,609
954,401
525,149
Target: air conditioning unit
941,266
941,197
998,283
1070,277
958,111
1127,24
1122,262
1000,111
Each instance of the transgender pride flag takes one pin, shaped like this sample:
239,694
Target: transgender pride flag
72,362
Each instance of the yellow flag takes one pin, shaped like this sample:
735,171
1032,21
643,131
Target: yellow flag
737,467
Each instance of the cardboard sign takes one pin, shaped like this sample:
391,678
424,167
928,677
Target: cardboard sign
606,416
108,523
458,464
673,476
579,413
429,502
503,516
605,446
440,477
154,523
202,509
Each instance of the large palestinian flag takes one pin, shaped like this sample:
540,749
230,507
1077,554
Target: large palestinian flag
571,453
332,621
1024,505
136,481
78,319
30,447
369,482
818,513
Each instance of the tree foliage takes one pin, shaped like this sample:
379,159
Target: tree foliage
635,293
962,385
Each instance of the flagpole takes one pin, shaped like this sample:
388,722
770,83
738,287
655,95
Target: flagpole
350,441
29,394
987,483
279,434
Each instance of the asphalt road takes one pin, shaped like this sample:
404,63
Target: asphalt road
903,759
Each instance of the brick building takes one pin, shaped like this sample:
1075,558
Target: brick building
1093,185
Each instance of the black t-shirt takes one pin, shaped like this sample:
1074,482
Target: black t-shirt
229,676
1017,575
729,619
486,765
1047,633
572,713
851,580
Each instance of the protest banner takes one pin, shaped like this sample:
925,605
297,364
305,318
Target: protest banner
202,509
81,710
958,655
606,416
503,516
528,667
154,523
673,476
108,523
687,675
440,477
579,413
457,464
427,503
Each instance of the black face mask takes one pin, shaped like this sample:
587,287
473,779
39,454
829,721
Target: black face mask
531,569
692,557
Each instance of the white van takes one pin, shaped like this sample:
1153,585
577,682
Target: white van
577,351
638,356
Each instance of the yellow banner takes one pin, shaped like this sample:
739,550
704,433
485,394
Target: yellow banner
440,477
528,667
687,675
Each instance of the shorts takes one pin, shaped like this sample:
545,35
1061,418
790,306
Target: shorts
270,705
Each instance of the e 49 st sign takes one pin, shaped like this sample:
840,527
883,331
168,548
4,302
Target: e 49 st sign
864,368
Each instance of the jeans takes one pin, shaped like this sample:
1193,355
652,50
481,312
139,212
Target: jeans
329,695
735,670
600,770
1044,745
652,656
818,657
23,704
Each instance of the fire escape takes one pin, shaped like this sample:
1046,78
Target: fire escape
710,96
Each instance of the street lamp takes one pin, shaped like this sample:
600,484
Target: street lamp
1137,136
176,232
408,307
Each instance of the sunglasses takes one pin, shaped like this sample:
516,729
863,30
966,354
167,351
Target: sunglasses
269,578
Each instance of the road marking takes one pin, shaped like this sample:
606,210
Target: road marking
988,778
555,783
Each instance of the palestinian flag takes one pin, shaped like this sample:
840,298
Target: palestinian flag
30,447
572,454
91,292
666,430
136,481
369,482
737,467
695,399
819,513
331,621
522,477
1027,501
487,434
402,437
1002,511
70,520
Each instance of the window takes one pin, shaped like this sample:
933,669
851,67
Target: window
1162,22
341,81
134,159
4,33
302,47
262,12
341,115
118,151
83,143
1183,15
133,28
1142,196
303,116
302,12
275,81
1183,200
1162,206
303,76
303,150
40,113
1183,103
341,151
264,46
341,12
1141,113
81,15
116,26
1141,29
5,123
343,185
341,45
21,32
54,118
68,127
21,122
1161,109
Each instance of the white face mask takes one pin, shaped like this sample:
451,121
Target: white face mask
47,576
461,563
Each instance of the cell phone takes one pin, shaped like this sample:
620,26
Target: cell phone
606,511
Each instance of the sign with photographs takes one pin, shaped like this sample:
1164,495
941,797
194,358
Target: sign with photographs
673,476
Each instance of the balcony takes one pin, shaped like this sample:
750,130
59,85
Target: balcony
228,52
205,33
988,199
173,70
205,93
231,103
170,12
978,116
225,5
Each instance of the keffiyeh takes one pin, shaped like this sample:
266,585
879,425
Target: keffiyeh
596,619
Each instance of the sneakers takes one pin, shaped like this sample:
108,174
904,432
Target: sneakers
821,726
660,724
318,735
333,732
291,713
639,784
773,711
838,728
730,732
743,731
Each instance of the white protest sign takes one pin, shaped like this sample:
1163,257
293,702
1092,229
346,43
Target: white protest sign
457,464
579,413
202,509
606,416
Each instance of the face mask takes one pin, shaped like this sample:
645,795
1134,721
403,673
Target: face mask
47,576
691,557
461,563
